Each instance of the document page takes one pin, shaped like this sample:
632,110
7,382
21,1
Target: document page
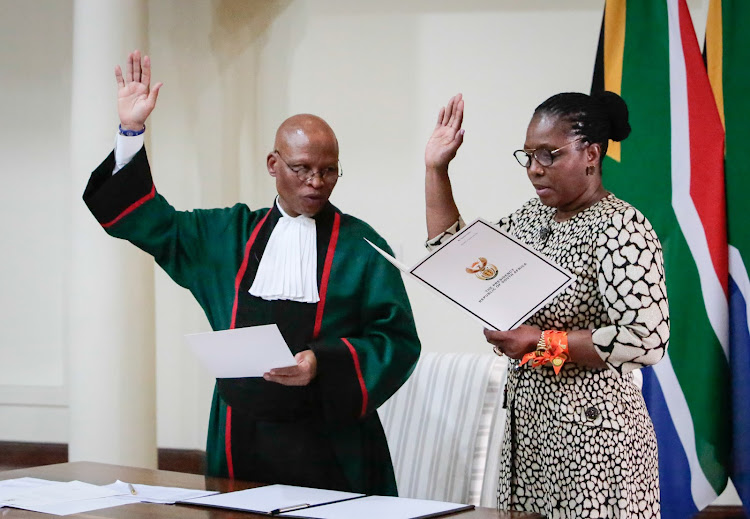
241,352
273,499
493,277
9,488
155,494
378,507
63,498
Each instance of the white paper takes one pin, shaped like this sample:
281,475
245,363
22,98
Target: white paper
378,507
78,507
156,494
241,352
63,498
10,487
512,281
272,497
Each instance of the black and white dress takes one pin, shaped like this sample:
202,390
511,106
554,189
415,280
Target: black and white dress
581,444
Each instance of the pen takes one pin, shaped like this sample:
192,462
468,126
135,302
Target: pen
289,509
132,489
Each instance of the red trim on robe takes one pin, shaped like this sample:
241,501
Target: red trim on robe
326,275
243,268
132,207
361,379
228,442
238,279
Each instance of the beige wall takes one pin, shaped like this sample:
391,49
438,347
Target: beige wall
232,71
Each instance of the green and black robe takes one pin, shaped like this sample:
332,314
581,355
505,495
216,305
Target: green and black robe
326,434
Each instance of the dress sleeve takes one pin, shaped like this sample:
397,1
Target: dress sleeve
632,287
444,236
359,372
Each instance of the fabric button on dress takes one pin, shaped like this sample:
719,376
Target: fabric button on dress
592,413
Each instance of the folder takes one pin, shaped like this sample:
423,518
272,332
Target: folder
491,276
273,499
314,503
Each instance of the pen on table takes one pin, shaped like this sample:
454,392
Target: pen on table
132,489
289,508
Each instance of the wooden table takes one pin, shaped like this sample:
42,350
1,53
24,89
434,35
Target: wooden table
102,474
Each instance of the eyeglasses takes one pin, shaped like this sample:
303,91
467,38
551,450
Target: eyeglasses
543,156
306,174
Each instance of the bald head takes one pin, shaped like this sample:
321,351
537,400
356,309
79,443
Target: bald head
305,130
304,163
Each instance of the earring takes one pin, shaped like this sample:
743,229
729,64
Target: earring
589,170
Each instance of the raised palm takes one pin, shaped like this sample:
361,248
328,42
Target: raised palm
135,97
447,136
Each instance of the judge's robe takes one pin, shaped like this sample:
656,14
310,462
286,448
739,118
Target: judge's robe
326,434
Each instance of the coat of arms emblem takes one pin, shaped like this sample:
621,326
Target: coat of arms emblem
482,269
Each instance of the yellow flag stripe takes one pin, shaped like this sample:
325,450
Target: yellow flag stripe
714,53
614,48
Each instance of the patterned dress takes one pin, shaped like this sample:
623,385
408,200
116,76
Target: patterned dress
581,444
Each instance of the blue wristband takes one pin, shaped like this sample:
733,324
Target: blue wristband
131,133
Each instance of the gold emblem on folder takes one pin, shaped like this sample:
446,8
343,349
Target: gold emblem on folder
482,269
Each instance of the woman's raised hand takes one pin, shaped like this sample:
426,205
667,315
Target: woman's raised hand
135,97
447,136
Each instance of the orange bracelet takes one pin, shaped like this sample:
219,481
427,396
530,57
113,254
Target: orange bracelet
552,347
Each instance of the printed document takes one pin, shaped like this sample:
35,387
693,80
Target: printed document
492,276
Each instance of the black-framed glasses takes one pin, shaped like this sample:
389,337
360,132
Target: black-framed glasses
543,156
305,173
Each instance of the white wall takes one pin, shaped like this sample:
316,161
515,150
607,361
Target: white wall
232,71
35,48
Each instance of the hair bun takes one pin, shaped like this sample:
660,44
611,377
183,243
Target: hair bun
617,112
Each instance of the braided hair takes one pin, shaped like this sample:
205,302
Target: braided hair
595,118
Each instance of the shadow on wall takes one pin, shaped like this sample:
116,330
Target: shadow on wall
238,34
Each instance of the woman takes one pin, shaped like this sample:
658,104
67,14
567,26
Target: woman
578,443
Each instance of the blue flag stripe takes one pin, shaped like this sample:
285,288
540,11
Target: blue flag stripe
676,494
739,339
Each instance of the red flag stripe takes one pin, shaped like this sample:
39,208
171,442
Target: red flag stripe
706,151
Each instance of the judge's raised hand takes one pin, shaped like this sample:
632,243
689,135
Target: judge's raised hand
446,137
300,375
135,97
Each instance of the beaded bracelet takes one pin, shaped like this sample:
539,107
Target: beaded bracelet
132,133
551,348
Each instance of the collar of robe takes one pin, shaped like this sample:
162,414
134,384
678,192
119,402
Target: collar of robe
288,267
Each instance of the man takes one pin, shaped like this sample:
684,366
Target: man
301,264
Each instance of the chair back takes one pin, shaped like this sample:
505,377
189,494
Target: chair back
444,428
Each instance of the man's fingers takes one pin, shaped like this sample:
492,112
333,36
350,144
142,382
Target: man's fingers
146,71
288,371
118,76
154,93
129,70
137,66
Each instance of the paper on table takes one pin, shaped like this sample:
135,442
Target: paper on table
78,507
155,494
377,507
63,498
241,352
10,487
490,275
273,497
